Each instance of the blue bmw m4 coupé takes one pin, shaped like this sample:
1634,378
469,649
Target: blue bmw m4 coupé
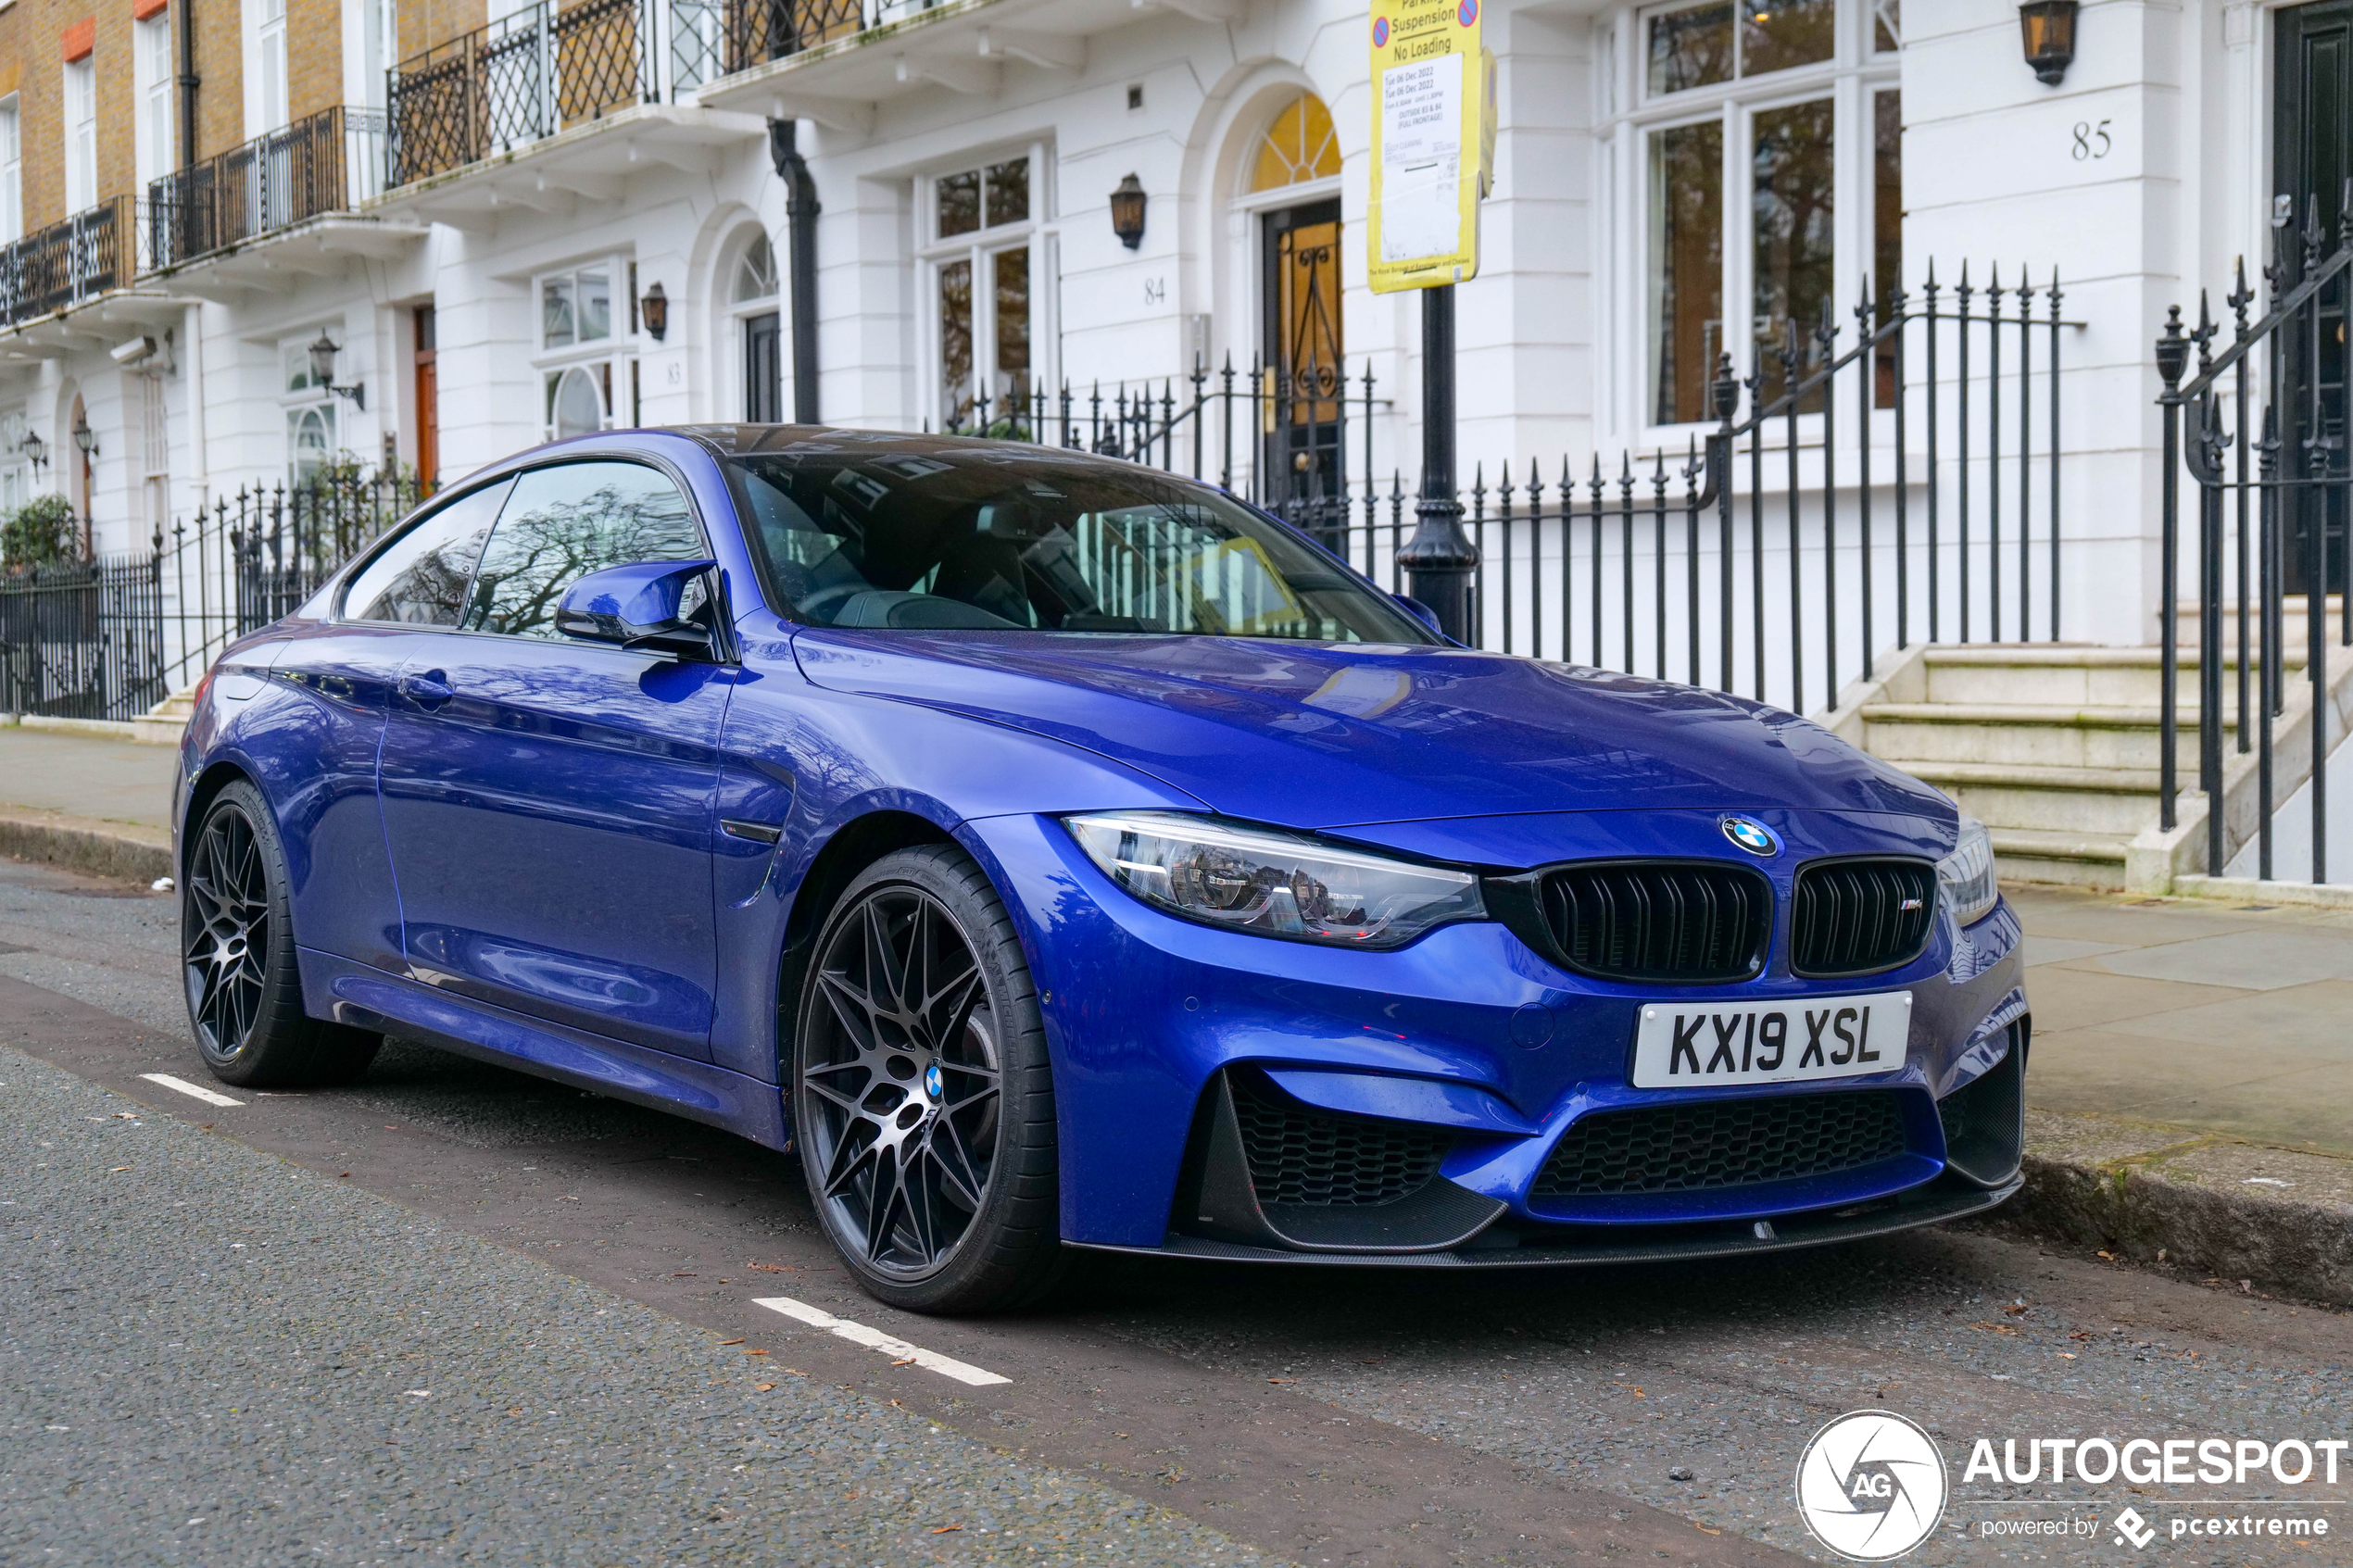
1058,855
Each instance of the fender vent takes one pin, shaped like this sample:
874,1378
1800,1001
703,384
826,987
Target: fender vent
1303,1157
1724,1143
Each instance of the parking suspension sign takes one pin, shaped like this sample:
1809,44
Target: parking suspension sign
1433,119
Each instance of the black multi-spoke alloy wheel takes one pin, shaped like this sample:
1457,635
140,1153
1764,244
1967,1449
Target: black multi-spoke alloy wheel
922,1099
237,955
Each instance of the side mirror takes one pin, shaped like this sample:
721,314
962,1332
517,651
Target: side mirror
1420,612
638,607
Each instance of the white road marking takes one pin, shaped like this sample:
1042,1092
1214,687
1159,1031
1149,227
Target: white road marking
191,1090
874,1340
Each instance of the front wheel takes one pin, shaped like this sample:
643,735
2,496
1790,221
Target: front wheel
238,956
922,1096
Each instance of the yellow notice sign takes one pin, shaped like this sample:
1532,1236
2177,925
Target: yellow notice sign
1432,83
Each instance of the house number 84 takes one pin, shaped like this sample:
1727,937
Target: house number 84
2093,141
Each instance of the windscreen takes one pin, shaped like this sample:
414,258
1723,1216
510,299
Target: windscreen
995,538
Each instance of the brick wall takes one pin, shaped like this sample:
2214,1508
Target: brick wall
424,23
221,101
314,55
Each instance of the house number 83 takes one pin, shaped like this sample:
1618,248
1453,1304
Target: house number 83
2093,141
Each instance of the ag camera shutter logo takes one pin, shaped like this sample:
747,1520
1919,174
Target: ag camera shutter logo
1871,1486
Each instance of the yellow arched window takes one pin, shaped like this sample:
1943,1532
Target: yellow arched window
1299,145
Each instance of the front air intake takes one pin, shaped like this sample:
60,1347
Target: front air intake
1665,921
1704,1145
1859,917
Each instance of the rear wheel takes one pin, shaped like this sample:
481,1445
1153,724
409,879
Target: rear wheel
923,1098
238,956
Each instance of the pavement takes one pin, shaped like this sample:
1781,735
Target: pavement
209,1344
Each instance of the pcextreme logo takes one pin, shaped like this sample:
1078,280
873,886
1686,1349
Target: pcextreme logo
1870,1485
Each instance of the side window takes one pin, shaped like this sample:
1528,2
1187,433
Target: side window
420,580
564,521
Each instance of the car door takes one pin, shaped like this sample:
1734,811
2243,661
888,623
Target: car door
322,771
547,802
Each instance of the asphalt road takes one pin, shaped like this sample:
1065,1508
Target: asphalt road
504,1335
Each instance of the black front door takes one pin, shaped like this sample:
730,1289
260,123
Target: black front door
2311,155
764,386
1305,383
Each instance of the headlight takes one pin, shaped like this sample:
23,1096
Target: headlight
1273,884
1967,875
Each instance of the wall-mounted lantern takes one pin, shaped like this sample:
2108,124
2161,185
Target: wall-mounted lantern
654,310
36,450
322,370
1127,212
84,437
2049,30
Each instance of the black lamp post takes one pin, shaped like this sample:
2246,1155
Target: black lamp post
322,370
1440,558
2047,27
1127,212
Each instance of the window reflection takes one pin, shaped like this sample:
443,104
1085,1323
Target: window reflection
1687,268
1782,34
1792,257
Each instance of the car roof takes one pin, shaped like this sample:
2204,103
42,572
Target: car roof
750,439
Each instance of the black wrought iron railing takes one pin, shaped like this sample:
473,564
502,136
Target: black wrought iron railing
2259,431
322,164
1906,490
82,639
529,74
77,259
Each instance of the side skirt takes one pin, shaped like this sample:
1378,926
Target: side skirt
366,997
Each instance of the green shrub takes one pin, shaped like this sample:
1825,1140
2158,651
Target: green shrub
40,533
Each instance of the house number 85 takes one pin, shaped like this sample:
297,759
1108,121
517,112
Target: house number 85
2093,141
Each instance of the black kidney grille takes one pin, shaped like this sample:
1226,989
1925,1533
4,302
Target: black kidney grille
1308,1158
1722,1144
1659,920
1853,917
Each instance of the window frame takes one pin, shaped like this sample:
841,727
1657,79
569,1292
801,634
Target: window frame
1850,79
154,135
11,168
616,351
79,104
1039,233
338,610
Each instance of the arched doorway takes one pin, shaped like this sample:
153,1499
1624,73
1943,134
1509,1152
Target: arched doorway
1301,345
751,301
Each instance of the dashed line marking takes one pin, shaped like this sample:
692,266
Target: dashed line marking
191,1090
875,1339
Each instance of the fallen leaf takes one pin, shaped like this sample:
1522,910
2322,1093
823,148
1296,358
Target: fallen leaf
796,1371
1994,1327
117,1170
764,1388
339,1174
1705,1529
2109,1256
755,1352
724,1342
1282,1380
771,1267
2081,1334
2016,1310
946,1528
2067,1355
682,1276
909,1362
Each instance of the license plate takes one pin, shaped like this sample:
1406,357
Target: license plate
1693,1045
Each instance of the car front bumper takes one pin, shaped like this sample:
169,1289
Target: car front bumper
1469,1034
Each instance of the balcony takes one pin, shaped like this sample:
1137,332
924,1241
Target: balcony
67,264
564,100
280,204
834,61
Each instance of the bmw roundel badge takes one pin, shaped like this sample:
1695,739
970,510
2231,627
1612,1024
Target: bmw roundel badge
932,1084
1755,837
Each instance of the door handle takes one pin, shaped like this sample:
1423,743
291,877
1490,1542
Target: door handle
428,691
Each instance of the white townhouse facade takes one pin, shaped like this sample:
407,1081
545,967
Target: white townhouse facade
557,218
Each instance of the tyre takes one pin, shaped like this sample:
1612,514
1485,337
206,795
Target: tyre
238,956
922,1096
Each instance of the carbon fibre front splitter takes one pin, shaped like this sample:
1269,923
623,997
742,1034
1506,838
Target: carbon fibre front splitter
1945,1200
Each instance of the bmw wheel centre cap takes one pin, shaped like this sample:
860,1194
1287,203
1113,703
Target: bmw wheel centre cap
932,1080
1753,837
